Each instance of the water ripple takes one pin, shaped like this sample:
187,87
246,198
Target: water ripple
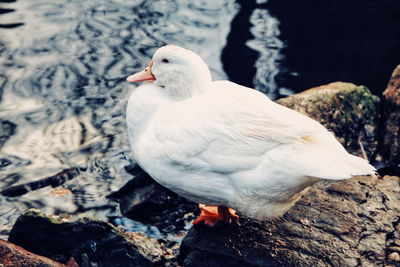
63,87
267,43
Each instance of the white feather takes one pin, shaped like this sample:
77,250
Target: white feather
224,144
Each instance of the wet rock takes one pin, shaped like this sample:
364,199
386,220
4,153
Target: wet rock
144,200
389,169
87,241
347,223
391,119
394,256
12,255
350,111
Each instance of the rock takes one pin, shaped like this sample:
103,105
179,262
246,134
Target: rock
394,248
388,169
144,200
350,111
391,119
12,255
346,223
394,256
86,240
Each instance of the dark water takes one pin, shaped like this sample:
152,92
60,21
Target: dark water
299,44
63,92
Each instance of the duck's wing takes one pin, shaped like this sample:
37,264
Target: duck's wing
236,129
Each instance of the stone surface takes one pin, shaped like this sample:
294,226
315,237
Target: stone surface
394,256
391,119
12,255
350,111
347,223
86,240
145,200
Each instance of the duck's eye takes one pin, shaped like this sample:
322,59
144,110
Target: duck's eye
164,60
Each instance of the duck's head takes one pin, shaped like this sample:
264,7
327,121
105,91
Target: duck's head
180,72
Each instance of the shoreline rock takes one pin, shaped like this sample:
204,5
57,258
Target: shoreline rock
144,200
391,119
348,223
86,241
12,255
352,112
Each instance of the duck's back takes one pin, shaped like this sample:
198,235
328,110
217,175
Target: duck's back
232,143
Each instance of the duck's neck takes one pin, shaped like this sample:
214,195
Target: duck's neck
183,90
142,104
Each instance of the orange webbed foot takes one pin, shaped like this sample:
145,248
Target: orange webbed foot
213,215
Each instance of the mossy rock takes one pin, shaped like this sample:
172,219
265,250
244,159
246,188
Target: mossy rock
391,119
350,111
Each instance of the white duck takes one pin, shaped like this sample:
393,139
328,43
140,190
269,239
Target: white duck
226,145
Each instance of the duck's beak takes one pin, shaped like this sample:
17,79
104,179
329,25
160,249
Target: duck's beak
144,75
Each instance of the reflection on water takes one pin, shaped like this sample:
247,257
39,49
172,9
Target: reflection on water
266,43
252,53
64,92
